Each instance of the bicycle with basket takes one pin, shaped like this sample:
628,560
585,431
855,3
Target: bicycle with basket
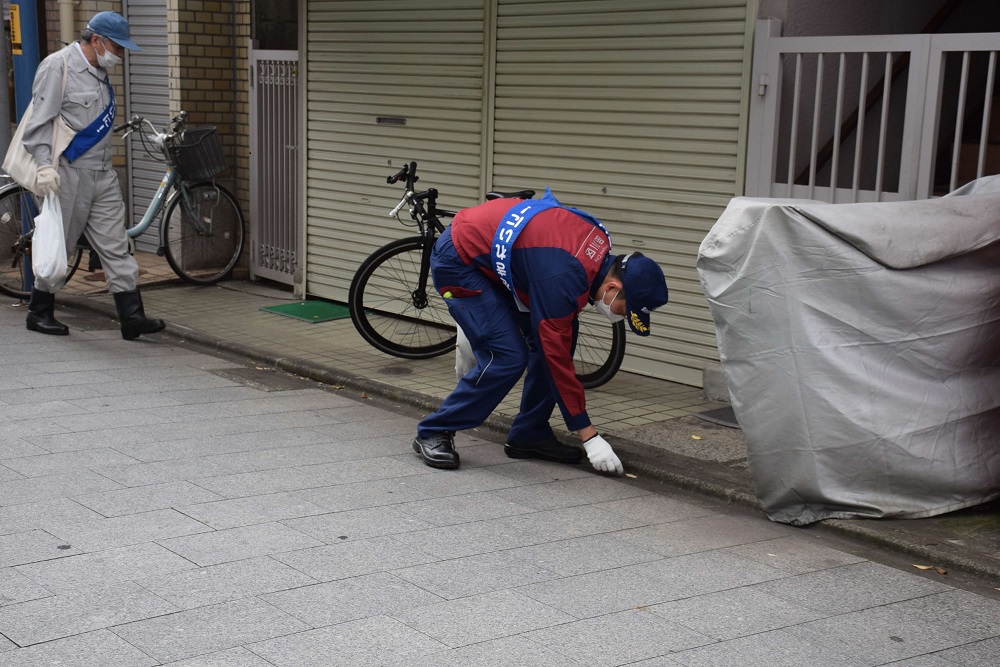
201,223
395,308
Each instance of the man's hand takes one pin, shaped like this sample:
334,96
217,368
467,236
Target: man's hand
601,456
48,181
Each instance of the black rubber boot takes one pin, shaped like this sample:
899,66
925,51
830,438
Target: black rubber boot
133,317
41,314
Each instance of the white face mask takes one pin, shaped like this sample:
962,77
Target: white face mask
605,308
107,60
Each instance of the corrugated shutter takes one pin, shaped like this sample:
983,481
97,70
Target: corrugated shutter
417,61
630,109
147,79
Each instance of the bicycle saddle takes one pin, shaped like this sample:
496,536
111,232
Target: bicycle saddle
520,194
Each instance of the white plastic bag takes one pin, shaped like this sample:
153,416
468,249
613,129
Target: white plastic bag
49,260
465,360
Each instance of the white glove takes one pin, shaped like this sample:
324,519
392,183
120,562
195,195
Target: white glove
47,181
601,456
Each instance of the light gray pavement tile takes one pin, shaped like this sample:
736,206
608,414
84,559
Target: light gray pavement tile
369,642
69,575
28,430
851,587
146,498
226,582
581,555
431,484
655,508
907,629
31,547
92,649
234,657
20,518
209,629
15,587
463,509
7,645
266,405
704,533
588,490
176,383
933,660
473,575
324,452
12,448
144,474
42,410
222,514
349,599
796,555
357,524
59,616
769,649
540,472
977,654
354,558
211,395
54,464
481,618
101,534
51,487
306,477
734,613
381,428
522,530
217,436
136,401
6,474
637,634
25,396
223,546
503,652
647,584
359,412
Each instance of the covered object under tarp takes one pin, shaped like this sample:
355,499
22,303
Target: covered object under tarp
861,344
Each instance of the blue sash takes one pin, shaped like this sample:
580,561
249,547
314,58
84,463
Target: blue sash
89,136
513,224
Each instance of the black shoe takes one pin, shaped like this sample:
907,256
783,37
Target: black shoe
41,314
546,450
132,316
437,450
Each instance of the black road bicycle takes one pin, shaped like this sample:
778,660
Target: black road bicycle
396,309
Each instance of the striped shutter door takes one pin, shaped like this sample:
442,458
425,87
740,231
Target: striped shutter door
147,79
630,110
418,63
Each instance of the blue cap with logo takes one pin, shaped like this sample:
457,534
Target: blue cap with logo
645,290
113,26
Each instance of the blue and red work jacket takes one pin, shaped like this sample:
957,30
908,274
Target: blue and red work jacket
556,261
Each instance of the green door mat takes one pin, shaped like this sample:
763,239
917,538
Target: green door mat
310,311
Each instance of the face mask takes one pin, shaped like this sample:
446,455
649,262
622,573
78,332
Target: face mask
107,60
605,308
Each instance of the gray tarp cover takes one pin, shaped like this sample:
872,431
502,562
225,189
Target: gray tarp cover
861,344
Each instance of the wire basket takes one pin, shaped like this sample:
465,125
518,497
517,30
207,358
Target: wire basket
197,154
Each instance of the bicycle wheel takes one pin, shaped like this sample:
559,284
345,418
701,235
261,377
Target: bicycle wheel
17,207
600,348
385,311
203,233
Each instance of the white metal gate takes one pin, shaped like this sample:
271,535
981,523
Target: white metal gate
871,118
276,232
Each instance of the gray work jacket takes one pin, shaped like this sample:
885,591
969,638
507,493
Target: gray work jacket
85,98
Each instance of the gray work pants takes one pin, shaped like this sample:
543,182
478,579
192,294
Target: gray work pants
92,204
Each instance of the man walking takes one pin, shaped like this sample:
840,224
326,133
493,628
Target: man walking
515,275
73,83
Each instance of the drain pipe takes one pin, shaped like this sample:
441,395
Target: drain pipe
66,32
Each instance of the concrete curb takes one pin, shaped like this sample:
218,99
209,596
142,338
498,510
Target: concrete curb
695,475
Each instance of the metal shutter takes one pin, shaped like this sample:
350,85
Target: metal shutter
631,110
148,95
421,62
